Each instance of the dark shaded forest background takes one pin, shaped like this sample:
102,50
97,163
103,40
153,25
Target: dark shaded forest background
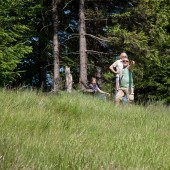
141,28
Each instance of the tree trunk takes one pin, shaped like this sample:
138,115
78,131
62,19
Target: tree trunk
82,45
41,65
55,48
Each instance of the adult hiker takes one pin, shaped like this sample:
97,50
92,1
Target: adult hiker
93,88
115,68
125,82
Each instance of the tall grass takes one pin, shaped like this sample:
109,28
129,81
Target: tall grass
75,131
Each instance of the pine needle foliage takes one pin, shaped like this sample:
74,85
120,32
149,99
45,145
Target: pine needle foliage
13,37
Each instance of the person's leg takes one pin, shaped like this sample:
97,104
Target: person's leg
131,98
126,92
125,100
119,96
117,83
125,97
117,86
131,95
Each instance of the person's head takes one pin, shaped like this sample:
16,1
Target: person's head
123,55
93,80
125,62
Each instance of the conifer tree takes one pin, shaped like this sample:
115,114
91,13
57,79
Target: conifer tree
13,37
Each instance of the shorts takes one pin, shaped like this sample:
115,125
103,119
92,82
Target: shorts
125,92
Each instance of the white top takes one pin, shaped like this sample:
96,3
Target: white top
119,66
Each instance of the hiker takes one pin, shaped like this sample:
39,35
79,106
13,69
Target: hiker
93,88
117,66
126,86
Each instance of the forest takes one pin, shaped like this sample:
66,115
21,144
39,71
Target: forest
38,39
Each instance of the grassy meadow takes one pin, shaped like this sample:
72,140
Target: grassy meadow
81,132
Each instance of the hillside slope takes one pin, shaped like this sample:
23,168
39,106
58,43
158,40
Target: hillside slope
76,131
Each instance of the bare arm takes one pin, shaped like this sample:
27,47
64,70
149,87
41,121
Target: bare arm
101,91
130,67
112,68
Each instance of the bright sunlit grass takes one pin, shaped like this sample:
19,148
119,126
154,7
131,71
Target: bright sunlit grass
76,131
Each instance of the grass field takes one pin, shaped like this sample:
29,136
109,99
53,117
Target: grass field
79,132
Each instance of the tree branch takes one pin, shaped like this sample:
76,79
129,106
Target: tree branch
97,38
96,19
97,52
71,37
67,4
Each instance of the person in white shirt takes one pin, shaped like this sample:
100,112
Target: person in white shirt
116,67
